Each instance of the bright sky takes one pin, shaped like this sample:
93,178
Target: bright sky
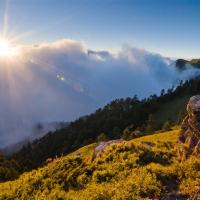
169,27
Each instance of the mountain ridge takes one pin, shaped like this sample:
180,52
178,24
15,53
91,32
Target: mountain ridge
182,64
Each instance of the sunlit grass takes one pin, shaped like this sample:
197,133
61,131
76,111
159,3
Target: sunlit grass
125,171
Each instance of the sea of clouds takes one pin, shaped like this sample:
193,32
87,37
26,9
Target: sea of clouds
63,80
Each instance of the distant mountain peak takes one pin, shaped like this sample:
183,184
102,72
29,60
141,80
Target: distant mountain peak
181,64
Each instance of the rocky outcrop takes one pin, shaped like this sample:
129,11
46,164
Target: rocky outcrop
189,137
102,145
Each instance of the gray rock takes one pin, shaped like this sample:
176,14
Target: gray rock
102,145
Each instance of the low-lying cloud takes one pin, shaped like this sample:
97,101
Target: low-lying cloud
63,80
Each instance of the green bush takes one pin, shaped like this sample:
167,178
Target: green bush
102,176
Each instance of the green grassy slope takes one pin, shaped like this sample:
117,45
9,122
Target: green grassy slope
132,170
172,110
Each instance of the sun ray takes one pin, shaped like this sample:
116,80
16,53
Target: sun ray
5,19
7,50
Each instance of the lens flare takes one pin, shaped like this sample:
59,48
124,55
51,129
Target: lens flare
7,50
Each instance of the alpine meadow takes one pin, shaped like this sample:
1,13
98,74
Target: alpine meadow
99,100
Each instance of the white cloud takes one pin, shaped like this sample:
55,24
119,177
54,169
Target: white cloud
63,80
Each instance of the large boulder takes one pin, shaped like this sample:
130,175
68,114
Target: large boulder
189,137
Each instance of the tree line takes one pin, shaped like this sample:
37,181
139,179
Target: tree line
122,118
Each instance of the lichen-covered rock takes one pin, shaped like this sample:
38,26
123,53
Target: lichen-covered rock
189,137
102,145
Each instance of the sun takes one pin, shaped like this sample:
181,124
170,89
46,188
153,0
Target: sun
7,50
